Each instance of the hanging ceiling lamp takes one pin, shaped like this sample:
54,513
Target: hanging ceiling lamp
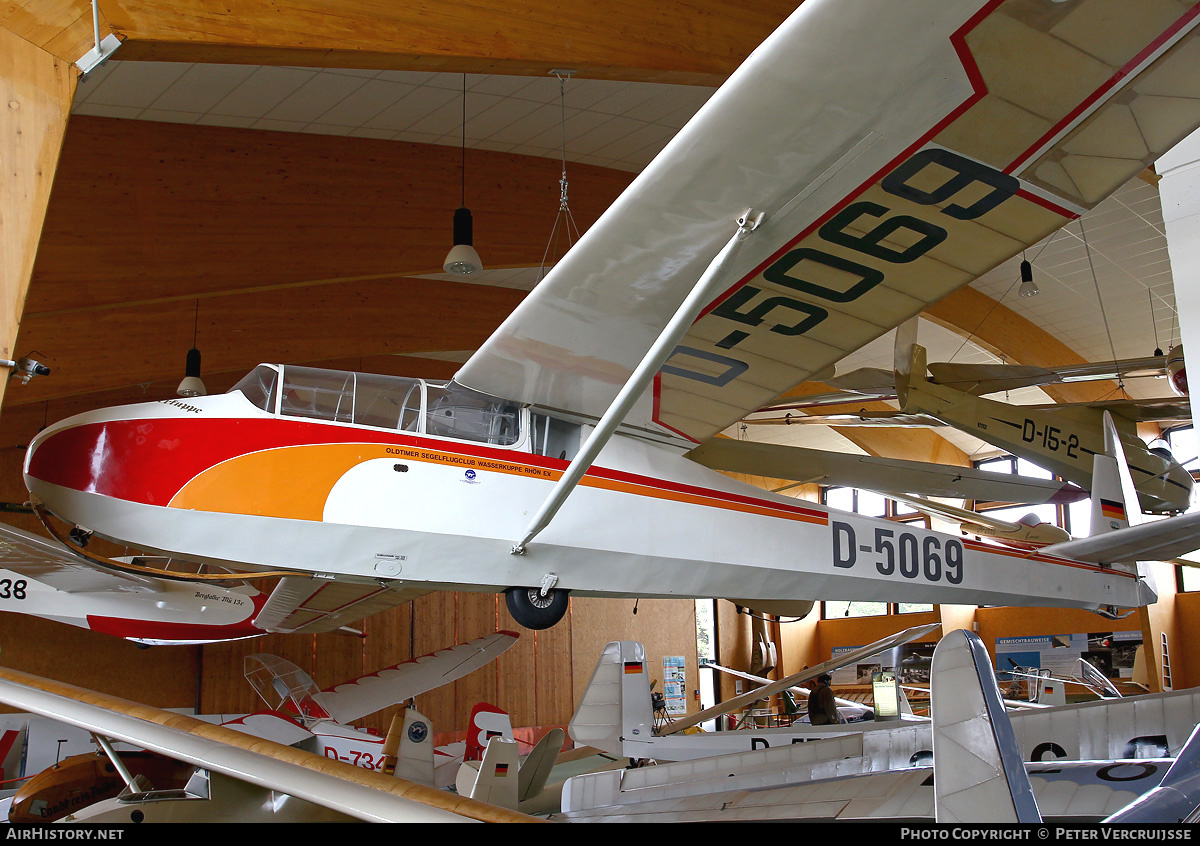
462,258
1028,287
191,386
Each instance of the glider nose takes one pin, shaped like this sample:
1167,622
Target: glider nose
1180,478
68,454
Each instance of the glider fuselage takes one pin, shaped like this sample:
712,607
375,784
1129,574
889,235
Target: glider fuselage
224,481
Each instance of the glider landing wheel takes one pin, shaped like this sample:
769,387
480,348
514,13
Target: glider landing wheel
534,611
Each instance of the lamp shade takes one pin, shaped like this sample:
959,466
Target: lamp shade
191,386
462,258
1028,287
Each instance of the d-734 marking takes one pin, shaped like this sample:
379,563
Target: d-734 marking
901,553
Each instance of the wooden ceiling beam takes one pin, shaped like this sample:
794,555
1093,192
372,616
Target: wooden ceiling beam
35,99
678,41
1002,331
63,28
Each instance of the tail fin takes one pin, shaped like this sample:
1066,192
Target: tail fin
1114,498
909,361
495,780
616,703
412,740
535,772
487,721
978,774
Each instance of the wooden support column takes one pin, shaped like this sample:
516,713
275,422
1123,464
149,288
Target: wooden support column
36,89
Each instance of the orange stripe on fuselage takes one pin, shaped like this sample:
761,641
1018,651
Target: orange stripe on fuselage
294,482
1034,555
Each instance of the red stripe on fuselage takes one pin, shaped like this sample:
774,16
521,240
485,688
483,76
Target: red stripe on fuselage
156,630
150,460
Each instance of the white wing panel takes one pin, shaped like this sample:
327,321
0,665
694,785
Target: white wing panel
53,565
298,604
367,694
897,150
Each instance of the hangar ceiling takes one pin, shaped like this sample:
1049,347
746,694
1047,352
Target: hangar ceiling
201,198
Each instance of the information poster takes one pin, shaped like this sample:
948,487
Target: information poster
1112,653
675,684
910,663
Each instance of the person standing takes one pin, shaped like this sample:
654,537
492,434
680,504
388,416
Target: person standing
822,707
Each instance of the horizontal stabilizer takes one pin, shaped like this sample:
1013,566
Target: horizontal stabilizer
1160,540
879,474
980,379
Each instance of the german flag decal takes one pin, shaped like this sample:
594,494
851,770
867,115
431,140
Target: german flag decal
1112,510
502,770
633,667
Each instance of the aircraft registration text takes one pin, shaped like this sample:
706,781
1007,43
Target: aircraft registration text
902,553
1050,437
874,254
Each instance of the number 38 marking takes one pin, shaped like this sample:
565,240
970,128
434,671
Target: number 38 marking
931,557
799,316
12,590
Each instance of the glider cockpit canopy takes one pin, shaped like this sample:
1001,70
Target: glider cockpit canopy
443,409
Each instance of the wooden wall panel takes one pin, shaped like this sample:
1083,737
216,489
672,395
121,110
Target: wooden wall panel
476,618
165,675
35,98
435,619
552,673
663,626
1185,663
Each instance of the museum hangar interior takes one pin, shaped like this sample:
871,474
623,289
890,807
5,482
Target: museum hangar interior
278,184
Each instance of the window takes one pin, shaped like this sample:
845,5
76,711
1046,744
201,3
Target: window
458,412
258,386
1078,513
365,399
387,402
871,504
837,610
555,438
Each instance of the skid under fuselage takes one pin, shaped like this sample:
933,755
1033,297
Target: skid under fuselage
217,480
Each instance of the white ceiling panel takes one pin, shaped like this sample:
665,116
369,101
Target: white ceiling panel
1105,281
